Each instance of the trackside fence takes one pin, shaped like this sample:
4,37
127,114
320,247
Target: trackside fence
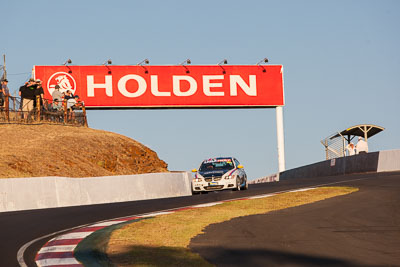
15,110
334,146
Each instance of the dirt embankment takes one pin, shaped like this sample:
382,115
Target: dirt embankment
55,150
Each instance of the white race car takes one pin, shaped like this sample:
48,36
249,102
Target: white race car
218,174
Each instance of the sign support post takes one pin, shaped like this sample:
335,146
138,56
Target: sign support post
280,138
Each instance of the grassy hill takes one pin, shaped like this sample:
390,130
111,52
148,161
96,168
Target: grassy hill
56,150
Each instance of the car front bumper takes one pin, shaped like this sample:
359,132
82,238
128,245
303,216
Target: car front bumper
214,185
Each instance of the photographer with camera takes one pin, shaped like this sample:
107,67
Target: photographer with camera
39,92
28,94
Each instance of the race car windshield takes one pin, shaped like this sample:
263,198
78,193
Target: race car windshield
216,165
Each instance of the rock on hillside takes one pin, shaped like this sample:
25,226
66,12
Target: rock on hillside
56,150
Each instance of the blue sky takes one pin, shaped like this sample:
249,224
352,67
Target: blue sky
341,61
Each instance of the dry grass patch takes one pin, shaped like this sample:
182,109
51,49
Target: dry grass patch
57,150
164,240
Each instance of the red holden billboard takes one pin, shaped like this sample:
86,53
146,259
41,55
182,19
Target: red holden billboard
167,86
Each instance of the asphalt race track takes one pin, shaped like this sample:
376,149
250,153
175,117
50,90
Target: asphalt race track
18,228
360,229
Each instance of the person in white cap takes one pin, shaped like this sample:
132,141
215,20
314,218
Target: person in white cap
362,146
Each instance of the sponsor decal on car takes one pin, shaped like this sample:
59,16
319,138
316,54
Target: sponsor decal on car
217,160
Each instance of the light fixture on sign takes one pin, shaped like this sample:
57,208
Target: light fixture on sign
69,61
187,61
144,61
141,63
106,63
264,60
223,62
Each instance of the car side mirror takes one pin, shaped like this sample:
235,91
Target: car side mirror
194,170
240,166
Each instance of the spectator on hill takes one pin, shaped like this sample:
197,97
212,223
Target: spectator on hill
28,94
40,91
68,95
19,93
75,107
362,146
56,106
2,94
69,99
5,91
350,149
57,94
78,103
70,103
4,87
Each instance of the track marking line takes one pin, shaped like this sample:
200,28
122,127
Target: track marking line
207,205
58,262
64,248
74,235
108,223
156,214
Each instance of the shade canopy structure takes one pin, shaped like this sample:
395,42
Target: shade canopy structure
335,144
363,130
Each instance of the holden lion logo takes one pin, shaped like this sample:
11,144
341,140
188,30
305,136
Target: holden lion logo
64,80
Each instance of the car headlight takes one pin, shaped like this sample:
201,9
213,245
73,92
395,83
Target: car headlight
197,178
230,177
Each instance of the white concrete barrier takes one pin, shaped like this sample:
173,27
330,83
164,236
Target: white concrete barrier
379,161
389,160
266,179
51,192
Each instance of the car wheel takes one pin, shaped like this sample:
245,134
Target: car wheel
237,185
246,186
